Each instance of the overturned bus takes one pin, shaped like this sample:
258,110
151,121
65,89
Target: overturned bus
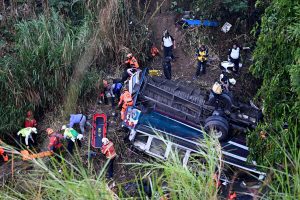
174,115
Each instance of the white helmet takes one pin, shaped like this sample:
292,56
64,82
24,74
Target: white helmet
232,81
105,141
63,127
34,130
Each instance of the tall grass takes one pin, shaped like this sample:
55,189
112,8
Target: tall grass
36,75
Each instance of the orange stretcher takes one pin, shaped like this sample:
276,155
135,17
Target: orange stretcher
27,156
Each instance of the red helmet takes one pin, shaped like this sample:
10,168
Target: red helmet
29,113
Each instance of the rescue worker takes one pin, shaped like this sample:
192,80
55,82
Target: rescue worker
131,67
154,51
3,155
167,67
131,63
226,82
234,57
30,121
115,91
125,101
54,142
168,44
71,136
109,151
202,57
26,134
80,119
103,93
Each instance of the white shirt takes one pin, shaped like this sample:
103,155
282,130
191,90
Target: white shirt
235,53
167,41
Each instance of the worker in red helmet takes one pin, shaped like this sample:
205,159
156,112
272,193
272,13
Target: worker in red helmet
30,121
109,151
54,142
125,101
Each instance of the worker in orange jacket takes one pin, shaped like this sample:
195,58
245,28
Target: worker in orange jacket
55,142
109,151
131,67
30,121
125,101
3,155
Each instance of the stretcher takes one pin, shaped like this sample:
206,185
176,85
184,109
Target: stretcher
99,129
27,156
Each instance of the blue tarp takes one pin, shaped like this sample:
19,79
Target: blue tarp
166,124
195,22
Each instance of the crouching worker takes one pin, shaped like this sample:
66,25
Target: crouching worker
54,142
26,134
125,101
80,119
72,136
109,151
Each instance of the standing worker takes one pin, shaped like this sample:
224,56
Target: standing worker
30,121
167,67
25,134
168,44
54,141
71,136
202,57
109,151
234,57
125,101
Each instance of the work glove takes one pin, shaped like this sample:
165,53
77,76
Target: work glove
80,136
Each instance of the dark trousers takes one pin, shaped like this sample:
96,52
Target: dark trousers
71,145
167,70
117,96
168,52
201,68
236,63
110,169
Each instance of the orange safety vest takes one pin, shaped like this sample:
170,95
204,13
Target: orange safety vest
132,62
109,150
125,98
